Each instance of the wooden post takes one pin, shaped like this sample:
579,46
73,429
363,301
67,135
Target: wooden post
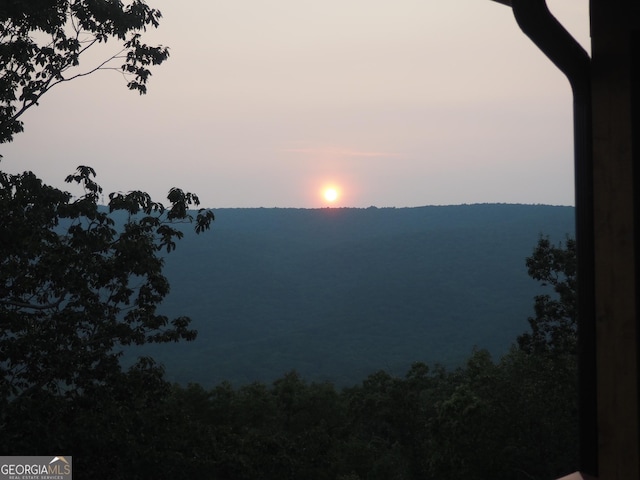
616,168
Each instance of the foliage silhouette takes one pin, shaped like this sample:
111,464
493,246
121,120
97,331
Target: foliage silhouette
554,327
75,288
43,41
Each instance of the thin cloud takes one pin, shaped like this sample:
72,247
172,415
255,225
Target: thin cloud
340,152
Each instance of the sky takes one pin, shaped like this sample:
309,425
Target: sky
267,104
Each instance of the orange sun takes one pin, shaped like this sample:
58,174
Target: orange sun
330,194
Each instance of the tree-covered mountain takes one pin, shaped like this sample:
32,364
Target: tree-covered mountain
339,293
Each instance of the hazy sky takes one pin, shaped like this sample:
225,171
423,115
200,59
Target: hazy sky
261,104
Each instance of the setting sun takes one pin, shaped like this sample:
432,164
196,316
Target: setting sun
330,194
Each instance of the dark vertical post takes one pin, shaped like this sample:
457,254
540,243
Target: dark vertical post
587,377
616,117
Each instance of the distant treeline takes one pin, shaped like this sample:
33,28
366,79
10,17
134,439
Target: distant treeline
338,293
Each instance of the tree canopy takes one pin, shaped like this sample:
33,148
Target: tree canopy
78,282
42,43
554,326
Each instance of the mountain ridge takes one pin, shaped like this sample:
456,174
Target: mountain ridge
339,293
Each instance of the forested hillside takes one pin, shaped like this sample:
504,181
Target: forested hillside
339,293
